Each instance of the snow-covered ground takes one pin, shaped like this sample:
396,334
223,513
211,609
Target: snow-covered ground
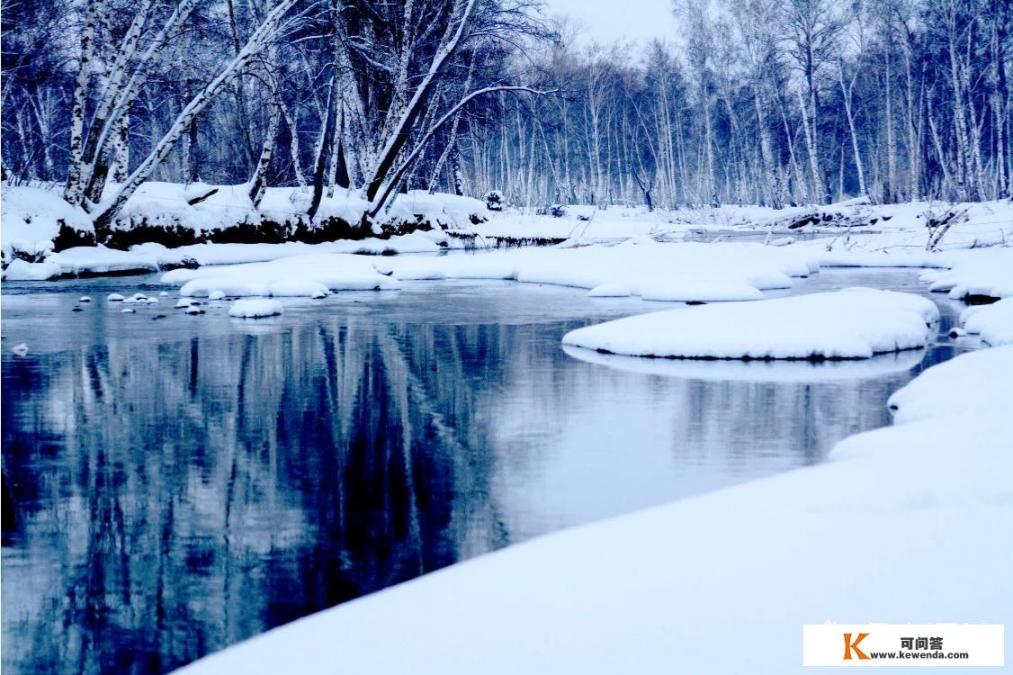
33,217
855,323
30,221
653,271
153,257
979,272
994,323
908,524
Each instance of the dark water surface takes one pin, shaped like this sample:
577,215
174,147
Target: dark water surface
183,483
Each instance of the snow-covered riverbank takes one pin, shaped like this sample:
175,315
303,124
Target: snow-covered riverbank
907,524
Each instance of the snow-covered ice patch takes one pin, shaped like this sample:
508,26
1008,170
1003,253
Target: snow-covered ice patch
851,324
311,276
255,308
677,272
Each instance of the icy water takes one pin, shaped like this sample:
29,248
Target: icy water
174,485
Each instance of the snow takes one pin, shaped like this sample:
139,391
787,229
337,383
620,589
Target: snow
649,269
32,218
994,323
977,383
309,276
153,257
167,205
20,270
908,524
987,272
255,308
850,324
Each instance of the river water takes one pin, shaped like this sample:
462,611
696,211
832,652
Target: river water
181,483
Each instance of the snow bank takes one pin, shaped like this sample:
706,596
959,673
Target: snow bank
651,270
295,276
976,383
850,324
994,323
151,257
206,209
255,308
33,220
911,524
986,273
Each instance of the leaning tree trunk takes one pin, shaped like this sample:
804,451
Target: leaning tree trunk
257,41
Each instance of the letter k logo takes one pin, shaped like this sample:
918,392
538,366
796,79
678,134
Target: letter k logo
850,646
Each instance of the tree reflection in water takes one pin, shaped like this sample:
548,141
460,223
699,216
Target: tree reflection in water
174,497
187,495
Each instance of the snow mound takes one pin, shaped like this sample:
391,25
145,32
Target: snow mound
994,323
311,276
255,308
32,219
20,270
851,324
987,273
979,382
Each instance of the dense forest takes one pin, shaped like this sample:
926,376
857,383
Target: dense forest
770,102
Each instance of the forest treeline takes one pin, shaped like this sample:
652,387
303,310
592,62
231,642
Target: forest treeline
770,102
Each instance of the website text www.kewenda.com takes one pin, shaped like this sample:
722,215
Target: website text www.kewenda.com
889,656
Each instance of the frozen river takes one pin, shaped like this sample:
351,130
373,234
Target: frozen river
182,483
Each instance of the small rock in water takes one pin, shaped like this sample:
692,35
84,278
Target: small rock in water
77,309
157,317
216,295
152,301
162,294
115,297
137,297
20,349
193,310
127,310
319,295
183,303
85,298
957,333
